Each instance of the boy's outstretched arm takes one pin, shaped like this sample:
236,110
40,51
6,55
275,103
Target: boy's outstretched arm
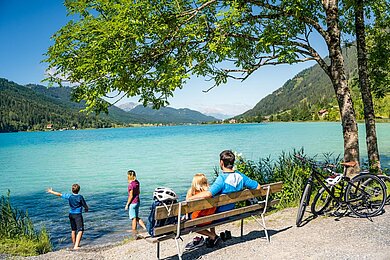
50,190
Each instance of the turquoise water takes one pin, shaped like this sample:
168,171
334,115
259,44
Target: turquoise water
162,156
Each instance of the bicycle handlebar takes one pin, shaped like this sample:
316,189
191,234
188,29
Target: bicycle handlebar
303,159
314,164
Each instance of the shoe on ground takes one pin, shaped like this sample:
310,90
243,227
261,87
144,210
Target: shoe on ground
209,243
222,236
228,234
216,241
213,242
196,242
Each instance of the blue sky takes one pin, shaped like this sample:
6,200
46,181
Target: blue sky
27,25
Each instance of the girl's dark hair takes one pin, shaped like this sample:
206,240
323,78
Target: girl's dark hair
75,188
131,173
228,158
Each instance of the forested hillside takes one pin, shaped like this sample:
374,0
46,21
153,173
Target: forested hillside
23,109
310,96
36,107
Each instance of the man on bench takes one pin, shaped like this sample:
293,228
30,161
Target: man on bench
228,181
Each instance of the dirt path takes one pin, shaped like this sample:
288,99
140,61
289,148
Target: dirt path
320,238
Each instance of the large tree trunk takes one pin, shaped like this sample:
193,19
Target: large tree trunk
364,85
340,85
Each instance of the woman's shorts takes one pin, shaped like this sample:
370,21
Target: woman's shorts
133,210
76,222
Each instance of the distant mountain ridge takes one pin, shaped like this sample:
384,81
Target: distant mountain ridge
35,107
169,114
127,106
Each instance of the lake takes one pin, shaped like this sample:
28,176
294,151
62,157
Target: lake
162,156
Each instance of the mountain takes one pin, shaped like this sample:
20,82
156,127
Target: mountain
171,115
62,95
22,109
130,112
311,87
128,106
36,107
219,115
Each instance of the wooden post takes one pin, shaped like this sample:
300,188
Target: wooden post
242,227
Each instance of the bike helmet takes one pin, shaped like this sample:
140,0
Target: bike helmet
164,194
334,179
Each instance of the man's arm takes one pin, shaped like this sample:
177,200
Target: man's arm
50,190
200,195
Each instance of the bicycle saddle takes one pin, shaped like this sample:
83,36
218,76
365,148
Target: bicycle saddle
348,164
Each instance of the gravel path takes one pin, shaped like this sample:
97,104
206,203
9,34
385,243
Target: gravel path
319,238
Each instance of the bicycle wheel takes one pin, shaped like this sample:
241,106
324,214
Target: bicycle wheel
321,201
386,180
303,203
365,195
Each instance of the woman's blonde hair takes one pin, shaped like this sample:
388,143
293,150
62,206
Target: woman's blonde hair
199,183
131,175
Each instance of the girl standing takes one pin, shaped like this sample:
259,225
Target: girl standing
133,200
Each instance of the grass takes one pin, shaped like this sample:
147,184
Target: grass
285,168
17,233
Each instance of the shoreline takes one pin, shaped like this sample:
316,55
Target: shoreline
320,238
377,121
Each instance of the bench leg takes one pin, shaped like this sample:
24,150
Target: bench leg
265,228
262,223
179,254
242,227
158,250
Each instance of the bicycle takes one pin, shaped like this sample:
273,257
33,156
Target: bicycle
386,181
364,194
322,201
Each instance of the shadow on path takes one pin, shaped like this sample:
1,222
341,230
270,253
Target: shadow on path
199,252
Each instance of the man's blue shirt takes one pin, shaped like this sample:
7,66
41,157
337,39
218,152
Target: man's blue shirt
76,202
229,182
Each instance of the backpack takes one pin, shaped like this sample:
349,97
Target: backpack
153,223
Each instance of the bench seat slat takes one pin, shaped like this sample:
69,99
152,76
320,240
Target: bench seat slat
191,206
213,217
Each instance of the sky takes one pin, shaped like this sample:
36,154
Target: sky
26,27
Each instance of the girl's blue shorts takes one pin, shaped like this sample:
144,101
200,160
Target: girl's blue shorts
133,210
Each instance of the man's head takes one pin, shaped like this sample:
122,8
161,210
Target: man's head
227,159
75,188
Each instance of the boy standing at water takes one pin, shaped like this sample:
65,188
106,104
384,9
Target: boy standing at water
133,201
76,203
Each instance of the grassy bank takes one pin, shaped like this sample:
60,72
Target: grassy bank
17,233
285,168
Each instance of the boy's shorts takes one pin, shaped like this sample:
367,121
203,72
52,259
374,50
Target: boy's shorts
133,210
76,222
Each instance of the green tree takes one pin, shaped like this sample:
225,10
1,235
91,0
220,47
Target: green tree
379,9
150,48
377,13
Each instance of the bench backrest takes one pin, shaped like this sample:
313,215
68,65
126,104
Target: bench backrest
191,206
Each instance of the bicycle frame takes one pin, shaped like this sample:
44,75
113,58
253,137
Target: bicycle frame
317,175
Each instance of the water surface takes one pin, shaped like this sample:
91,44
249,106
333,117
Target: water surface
162,156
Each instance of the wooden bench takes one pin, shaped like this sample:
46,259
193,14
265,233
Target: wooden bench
175,231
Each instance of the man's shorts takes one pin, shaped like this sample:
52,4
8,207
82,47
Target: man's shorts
76,222
133,210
